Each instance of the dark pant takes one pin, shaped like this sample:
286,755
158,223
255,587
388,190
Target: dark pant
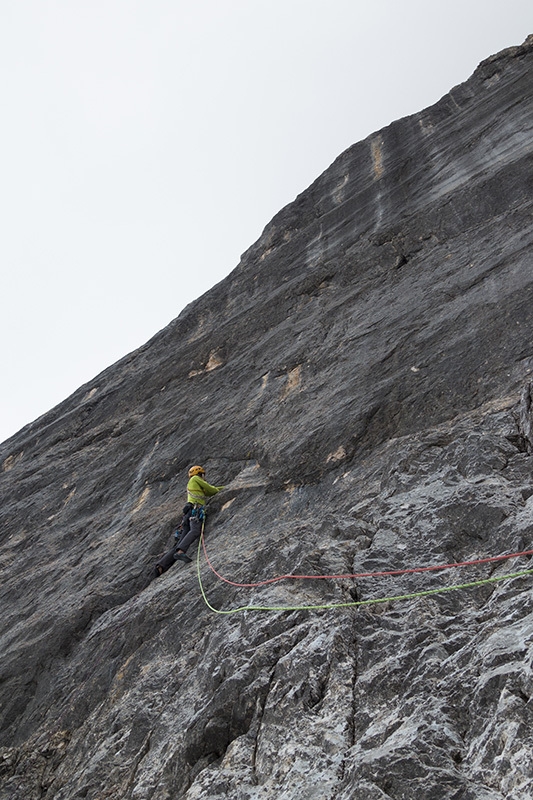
195,529
164,563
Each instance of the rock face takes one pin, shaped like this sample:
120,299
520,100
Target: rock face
361,384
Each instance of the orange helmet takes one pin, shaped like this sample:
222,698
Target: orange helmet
196,471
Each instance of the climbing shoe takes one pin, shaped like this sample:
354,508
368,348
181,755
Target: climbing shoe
183,557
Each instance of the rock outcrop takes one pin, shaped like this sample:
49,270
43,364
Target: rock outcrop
361,383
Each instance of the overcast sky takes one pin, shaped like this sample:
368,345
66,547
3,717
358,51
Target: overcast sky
145,144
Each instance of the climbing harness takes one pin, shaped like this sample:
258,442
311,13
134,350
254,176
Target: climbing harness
199,512
357,603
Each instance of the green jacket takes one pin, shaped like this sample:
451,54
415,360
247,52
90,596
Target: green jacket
199,490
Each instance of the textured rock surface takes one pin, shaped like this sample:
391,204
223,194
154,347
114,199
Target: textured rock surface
361,382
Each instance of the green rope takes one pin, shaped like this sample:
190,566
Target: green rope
355,603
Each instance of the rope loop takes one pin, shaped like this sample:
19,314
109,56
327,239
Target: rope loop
357,603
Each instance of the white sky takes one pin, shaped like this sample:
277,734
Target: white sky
145,144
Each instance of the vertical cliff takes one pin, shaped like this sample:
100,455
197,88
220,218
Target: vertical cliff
361,384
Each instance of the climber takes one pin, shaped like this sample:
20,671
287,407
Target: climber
198,492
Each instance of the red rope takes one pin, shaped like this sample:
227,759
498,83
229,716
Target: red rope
362,574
